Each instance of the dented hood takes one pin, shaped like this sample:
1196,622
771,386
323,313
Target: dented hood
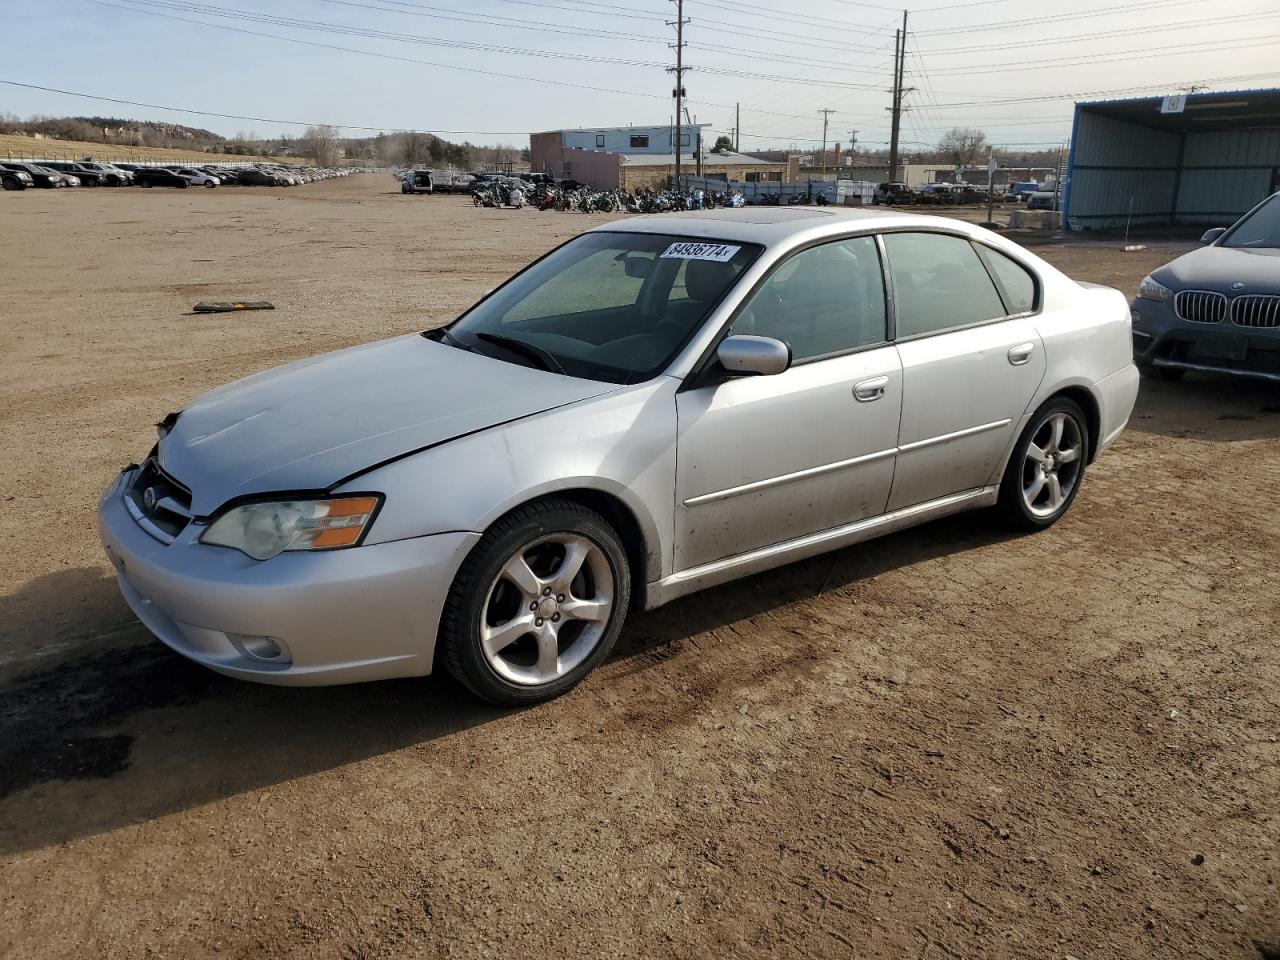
309,424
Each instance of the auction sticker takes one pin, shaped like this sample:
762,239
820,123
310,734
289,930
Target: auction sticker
720,252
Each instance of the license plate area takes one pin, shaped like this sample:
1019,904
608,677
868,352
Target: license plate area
1224,347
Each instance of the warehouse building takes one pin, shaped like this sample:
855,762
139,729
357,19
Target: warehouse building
634,157
1197,159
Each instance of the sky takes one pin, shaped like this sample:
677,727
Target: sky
491,71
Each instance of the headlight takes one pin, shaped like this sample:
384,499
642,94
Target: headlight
263,530
1149,289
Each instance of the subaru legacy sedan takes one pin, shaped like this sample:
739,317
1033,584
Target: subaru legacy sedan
1216,309
657,406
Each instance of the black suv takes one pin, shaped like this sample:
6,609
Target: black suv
156,177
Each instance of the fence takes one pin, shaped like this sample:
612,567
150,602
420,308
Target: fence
835,191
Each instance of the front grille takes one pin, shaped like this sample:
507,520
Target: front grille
1200,306
1256,311
160,504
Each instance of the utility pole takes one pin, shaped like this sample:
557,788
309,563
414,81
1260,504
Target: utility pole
899,56
737,128
678,70
826,116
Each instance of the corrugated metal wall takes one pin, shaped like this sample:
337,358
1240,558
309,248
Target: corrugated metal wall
1224,174
1118,166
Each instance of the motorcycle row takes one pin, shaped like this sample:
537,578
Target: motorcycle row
546,196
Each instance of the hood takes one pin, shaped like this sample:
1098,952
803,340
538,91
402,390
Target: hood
309,424
1217,268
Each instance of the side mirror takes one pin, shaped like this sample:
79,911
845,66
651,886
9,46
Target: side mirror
1212,235
762,356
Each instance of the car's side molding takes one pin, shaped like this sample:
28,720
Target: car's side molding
765,484
758,485
766,558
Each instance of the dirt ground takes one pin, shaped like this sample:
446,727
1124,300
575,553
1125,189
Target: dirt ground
952,742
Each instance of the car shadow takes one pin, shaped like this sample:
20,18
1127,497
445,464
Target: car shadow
1212,407
113,729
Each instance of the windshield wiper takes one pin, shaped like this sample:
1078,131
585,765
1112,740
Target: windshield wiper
442,335
539,356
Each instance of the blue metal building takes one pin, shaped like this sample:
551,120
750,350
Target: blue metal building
1203,158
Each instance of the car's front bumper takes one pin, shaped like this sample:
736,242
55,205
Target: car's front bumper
339,616
1162,339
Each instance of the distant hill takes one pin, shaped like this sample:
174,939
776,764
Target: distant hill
115,130
173,130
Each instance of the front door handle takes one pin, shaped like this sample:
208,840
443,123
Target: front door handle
868,390
1021,353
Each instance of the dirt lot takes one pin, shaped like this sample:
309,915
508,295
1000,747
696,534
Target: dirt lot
948,743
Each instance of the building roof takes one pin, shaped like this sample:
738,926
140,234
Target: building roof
708,159
1223,110
630,126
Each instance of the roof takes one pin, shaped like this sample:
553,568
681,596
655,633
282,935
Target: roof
708,159
1221,110
630,126
772,226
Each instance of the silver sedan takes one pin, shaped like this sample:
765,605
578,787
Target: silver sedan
655,407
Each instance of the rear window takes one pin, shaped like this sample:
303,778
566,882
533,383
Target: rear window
938,284
1015,281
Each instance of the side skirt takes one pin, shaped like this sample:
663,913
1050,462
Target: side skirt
789,551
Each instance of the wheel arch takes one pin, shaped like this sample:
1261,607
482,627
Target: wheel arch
641,552
1083,397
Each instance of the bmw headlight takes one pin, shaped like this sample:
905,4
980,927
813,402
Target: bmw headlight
263,530
1150,289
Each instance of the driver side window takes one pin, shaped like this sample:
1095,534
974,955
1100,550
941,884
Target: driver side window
825,300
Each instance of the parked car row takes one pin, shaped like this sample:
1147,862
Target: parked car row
20,174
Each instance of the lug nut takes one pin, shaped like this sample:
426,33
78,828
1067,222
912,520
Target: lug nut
538,622
546,591
560,598
555,618
534,605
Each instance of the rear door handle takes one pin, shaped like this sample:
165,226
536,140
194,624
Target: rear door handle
1021,353
868,390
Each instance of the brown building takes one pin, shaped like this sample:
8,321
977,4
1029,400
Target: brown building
634,157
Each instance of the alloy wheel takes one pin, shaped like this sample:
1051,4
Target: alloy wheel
547,609
1051,468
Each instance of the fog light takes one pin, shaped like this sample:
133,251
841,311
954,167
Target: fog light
260,648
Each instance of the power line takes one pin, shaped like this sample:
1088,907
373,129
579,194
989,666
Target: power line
1060,17
1106,34
370,53
1110,93
235,116
1149,53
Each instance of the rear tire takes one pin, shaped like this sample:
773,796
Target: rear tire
1047,467
537,604
12,183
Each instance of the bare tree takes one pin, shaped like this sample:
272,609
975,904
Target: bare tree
963,146
321,145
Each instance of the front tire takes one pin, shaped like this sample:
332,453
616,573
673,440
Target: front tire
537,605
1047,467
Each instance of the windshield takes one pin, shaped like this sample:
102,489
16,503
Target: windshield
1259,229
605,306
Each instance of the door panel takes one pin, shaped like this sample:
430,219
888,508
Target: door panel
963,394
810,454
